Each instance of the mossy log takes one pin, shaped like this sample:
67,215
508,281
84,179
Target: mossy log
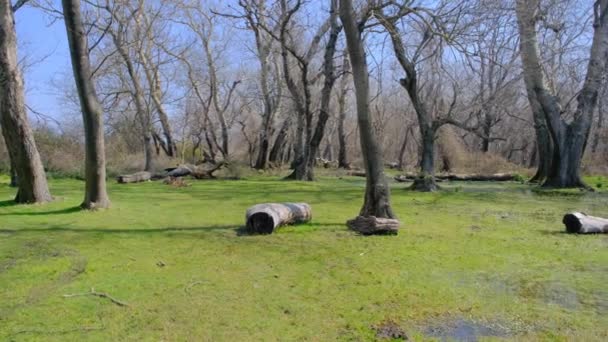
136,177
581,223
265,218
372,225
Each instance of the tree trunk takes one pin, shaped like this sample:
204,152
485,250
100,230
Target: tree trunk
569,139
330,79
426,180
279,143
377,192
600,119
33,187
342,153
14,179
95,164
138,97
584,224
265,218
544,146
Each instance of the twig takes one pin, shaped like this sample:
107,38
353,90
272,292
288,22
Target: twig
190,286
97,294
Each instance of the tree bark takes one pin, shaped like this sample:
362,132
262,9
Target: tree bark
138,96
137,177
581,223
544,145
279,143
19,138
377,192
569,139
342,152
95,196
14,179
428,126
330,79
265,218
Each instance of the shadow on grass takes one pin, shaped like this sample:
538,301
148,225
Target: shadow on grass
69,210
56,229
8,203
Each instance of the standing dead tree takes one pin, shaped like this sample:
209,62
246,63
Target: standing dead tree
24,156
569,138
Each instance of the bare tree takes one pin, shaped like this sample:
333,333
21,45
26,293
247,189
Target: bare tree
569,138
25,159
95,196
377,192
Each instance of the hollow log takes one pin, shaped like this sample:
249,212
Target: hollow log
581,223
137,177
265,218
372,225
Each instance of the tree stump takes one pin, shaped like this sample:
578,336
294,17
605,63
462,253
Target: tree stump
137,177
581,223
265,218
372,225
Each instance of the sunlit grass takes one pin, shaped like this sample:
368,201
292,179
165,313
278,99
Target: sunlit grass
487,254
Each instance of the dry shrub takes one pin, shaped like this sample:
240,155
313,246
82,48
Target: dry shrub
176,182
453,152
595,163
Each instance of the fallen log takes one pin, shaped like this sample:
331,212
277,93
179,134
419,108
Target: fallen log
136,177
356,173
265,218
206,170
497,177
372,225
180,171
581,223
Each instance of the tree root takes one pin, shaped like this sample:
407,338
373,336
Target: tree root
97,294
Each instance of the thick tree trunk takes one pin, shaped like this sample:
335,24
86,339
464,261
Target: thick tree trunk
584,224
95,196
425,182
569,139
544,146
377,192
600,120
33,187
265,218
14,179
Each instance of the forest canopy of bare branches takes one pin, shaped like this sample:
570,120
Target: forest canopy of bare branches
268,84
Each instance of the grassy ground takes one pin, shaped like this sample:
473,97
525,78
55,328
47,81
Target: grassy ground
473,261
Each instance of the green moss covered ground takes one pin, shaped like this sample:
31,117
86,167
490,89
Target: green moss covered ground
472,261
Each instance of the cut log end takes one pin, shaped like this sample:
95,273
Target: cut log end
261,223
372,225
581,223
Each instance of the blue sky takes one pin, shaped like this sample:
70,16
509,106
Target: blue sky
44,46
